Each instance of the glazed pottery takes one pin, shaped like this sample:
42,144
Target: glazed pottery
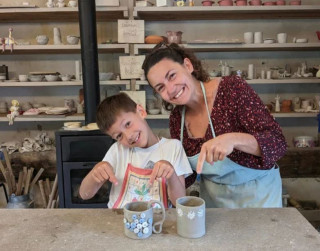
295,2
286,105
281,2
191,217
255,2
174,37
207,3
282,38
269,3
138,219
73,39
42,39
241,2
225,3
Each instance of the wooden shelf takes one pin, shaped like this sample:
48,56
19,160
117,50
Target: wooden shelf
74,117
294,114
143,48
226,12
59,83
65,49
66,14
158,116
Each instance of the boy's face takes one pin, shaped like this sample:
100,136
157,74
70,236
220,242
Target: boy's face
130,129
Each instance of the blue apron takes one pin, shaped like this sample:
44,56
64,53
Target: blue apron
226,184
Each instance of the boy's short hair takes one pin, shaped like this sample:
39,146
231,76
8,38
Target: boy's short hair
111,107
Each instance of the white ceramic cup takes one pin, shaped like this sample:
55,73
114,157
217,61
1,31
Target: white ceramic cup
191,217
305,104
263,74
250,71
258,37
72,3
248,37
282,38
23,78
268,74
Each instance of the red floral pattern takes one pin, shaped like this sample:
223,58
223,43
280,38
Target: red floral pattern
237,108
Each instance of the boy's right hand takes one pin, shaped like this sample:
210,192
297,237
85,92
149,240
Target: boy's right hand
102,172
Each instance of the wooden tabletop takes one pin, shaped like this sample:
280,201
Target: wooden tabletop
102,229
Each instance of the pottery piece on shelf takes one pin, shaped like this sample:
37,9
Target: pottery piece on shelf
50,78
57,36
241,2
225,3
72,3
255,2
42,39
174,37
73,39
207,3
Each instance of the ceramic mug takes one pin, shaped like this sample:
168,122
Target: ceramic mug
191,217
248,37
258,37
138,219
282,38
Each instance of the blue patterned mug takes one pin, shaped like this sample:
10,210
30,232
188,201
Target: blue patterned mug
138,219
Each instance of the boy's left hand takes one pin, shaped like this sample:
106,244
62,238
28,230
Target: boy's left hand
161,169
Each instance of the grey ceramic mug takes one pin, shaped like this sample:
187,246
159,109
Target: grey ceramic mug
138,219
191,217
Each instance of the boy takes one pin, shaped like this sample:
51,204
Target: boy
139,165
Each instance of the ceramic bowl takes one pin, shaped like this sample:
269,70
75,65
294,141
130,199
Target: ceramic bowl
66,77
103,76
23,78
269,41
42,39
154,111
50,78
304,141
73,39
207,3
301,40
295,2
36,78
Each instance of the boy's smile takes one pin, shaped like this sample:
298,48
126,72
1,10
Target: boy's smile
131,130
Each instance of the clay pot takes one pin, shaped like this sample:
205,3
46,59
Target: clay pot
241,2
207,3
286,105
255,2
269,3
281,2
174,37
225,3
295,2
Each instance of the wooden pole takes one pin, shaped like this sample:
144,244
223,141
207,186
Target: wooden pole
19,186
35,179
26,187
53,191
12,178
47,188
43,195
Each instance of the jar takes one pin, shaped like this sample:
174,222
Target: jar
21,201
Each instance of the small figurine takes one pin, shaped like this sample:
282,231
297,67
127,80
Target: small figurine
277,108
50,4
7,41
180,2
191,2
60,3
14,111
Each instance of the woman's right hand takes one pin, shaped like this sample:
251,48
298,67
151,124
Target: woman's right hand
102,172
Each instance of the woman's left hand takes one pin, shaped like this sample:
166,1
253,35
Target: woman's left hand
215,149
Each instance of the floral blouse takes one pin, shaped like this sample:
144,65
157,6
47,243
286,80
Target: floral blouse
236,108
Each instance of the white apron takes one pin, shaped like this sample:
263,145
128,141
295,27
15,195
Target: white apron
226,184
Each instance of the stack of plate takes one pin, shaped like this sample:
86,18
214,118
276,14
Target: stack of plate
58,110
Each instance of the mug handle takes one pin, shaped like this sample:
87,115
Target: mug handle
160,222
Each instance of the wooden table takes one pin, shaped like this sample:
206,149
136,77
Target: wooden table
102,229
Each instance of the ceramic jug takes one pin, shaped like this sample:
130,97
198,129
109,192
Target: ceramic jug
174,37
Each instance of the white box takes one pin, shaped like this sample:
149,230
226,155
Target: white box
107,3
162,3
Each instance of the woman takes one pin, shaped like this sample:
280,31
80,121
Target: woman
227,133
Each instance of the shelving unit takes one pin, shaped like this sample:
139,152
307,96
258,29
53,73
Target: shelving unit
225,12
59,83
66,14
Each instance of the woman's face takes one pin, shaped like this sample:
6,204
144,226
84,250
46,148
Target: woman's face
172,80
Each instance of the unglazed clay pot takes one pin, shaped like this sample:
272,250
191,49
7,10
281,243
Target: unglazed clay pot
225,3
241,2
207,3
255,2
281,2
269,3
295,2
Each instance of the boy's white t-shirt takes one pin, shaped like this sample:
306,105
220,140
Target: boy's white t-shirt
119,156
